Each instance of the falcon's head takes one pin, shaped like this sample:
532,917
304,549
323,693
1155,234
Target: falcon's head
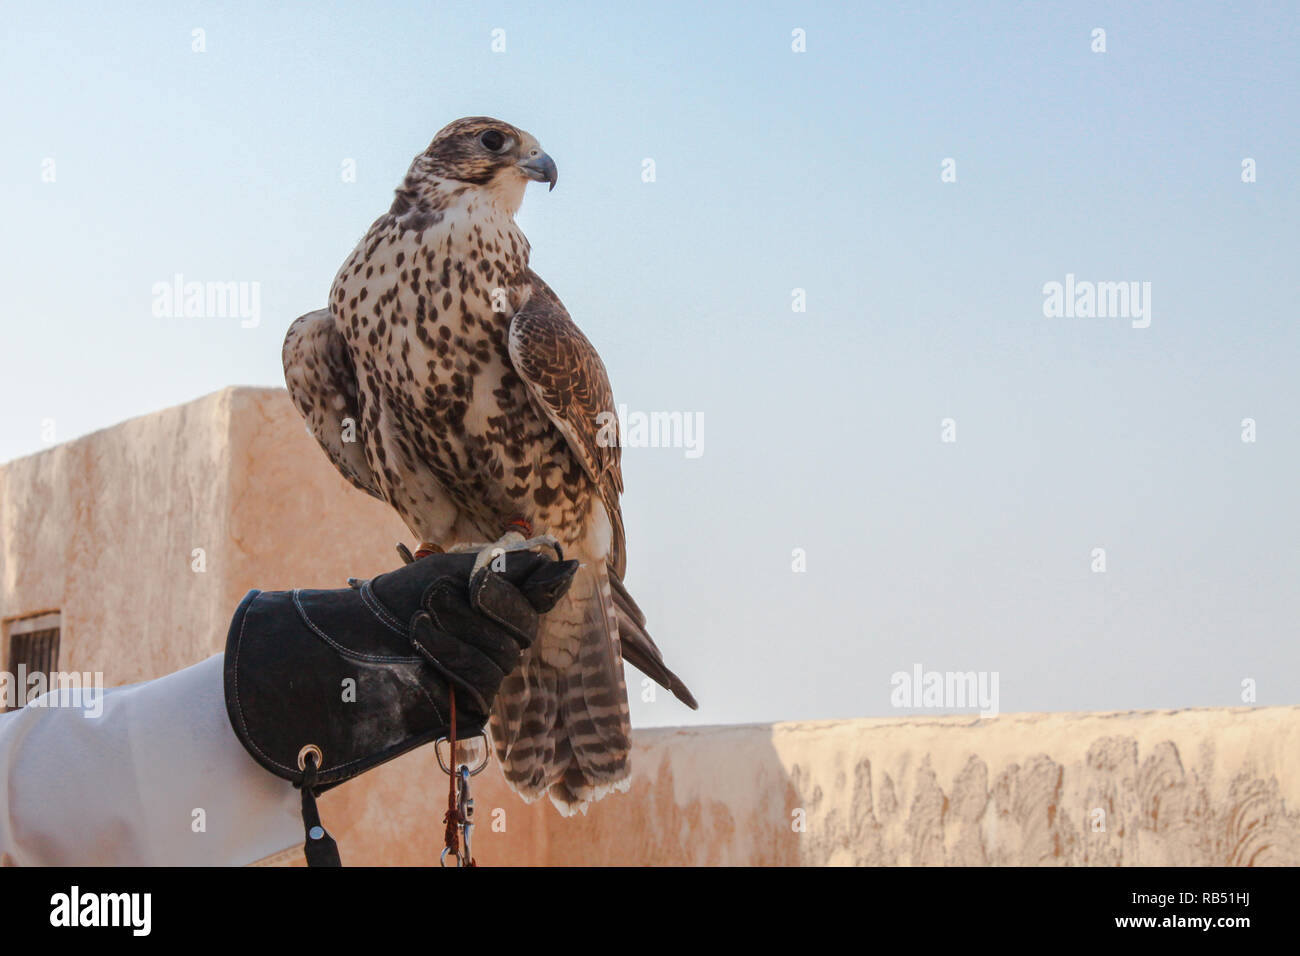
489,154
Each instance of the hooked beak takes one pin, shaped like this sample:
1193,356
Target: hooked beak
540,168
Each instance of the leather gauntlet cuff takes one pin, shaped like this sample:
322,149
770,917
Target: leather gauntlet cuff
358,676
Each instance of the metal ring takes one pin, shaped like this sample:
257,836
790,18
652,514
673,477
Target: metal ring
307,750
487,753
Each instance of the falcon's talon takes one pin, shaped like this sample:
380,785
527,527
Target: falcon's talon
543,541
467,547
510,541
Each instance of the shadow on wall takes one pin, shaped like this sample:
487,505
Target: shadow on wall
393,816
1187,788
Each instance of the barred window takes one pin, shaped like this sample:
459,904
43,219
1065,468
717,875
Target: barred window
32,646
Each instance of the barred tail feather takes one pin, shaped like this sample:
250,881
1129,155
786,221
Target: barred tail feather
560,723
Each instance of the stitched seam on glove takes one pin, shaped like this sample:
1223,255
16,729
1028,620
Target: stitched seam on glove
344,651
376,607
452,586
523,639
446,583
479,700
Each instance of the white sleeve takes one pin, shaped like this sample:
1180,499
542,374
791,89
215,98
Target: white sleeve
155,778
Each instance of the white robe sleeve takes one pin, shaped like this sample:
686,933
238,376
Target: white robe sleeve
157,778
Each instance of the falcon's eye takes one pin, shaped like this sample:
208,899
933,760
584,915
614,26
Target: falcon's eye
492,140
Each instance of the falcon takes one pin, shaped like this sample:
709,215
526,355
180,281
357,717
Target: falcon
447,379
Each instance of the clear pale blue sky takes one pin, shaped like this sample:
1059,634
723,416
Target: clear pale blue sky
775,170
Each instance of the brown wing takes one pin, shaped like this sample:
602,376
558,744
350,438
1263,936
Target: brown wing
323,386
569,383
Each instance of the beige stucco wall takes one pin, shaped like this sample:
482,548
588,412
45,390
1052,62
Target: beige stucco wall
103,529
1203,787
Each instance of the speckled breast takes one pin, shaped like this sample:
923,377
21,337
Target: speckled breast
427,325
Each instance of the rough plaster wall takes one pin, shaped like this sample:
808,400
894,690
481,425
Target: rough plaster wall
102,529
1211,787
295,521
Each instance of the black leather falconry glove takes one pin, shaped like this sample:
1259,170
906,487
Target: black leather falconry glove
323,685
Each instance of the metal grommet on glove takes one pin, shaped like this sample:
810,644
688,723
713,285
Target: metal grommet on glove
308,751
319,848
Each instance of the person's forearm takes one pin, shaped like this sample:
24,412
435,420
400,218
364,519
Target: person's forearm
158,778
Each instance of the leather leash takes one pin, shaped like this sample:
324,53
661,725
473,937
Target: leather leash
455,818
319,848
